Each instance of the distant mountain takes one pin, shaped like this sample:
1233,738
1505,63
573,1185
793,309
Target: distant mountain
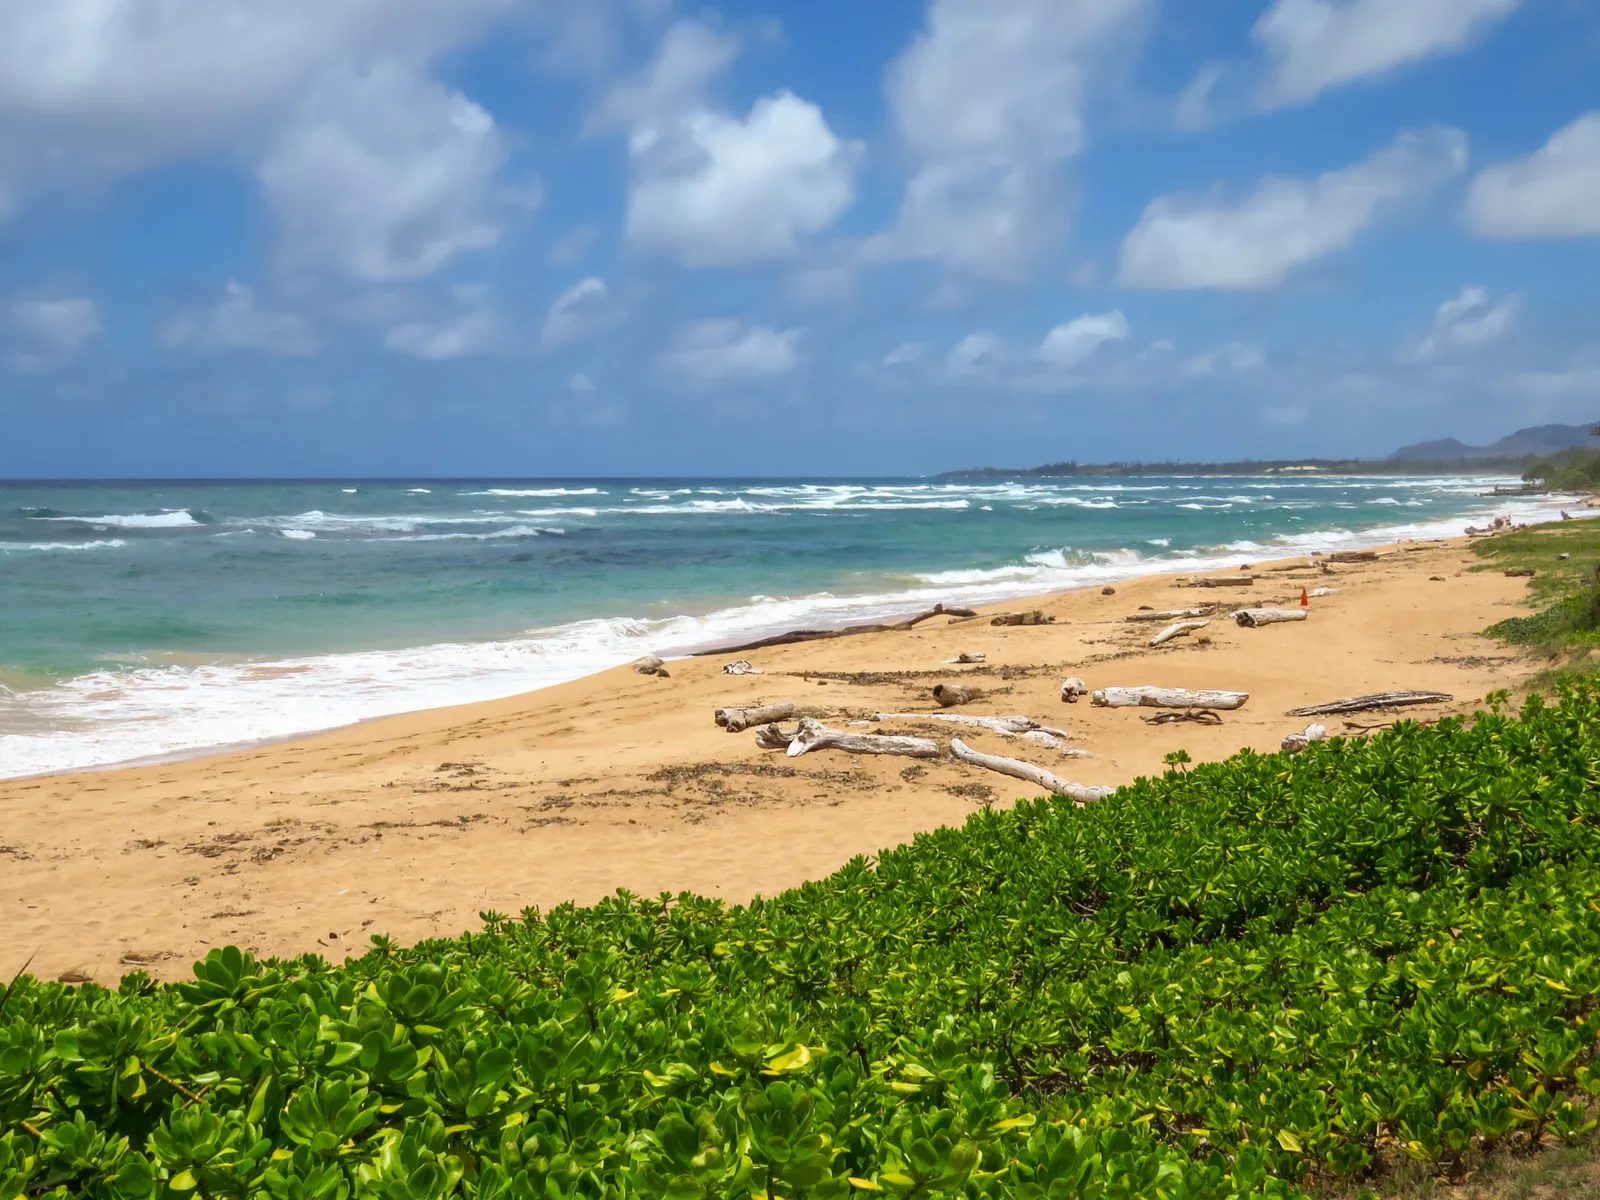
1524,443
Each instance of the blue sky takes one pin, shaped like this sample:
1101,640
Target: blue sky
573,237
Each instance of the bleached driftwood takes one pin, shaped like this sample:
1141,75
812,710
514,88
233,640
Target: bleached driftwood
742,667
1297,742
1179,629
1353,556
1018,769
966,658
737,720
1173,614
1048,738
1006,725
950,694
1034,617
813,635
1356,704
1253,618
1323,591
814,735
1159,697
1072,689
1220,581
650,665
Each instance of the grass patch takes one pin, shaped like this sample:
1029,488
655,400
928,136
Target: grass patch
1568,587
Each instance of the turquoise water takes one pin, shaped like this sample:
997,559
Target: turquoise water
168,617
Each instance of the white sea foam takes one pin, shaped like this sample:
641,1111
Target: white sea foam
174,519
21,547
515,531
534,492
298,535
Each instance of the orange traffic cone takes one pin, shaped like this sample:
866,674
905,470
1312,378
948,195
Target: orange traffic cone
1305,598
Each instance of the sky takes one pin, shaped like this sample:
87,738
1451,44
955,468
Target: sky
341,238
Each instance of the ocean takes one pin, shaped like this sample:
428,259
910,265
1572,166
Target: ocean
140,620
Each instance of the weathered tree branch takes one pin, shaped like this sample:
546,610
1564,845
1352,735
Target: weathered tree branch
1018,769
1158,697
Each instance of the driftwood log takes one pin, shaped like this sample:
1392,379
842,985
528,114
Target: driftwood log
1179,629
1354,704
1173,614
1159,697
1353,556
1018,769
1033,617
814,735
742,667
650,665
1317,593
1297,742
737,720
1254,618
950,694
1073,689
966,658
1221,581
1009,726
814,635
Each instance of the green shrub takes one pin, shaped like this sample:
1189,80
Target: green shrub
1232,980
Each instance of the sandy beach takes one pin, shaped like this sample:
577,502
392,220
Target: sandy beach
412,826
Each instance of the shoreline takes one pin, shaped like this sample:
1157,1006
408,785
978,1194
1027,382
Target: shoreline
835,612
414,824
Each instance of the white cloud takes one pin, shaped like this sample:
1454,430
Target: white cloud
712,188
1554,192
580,383
236,322
474,330
727,351
58,328
1235,358
385,175
109,86
1190,242
577,313
1194,107
722,191
989,103
1072,343
1319,44
1467,322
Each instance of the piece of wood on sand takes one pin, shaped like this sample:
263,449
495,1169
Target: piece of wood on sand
737,720
1008,726
814,735
1160,697
1176,630
1220,581
1173,614
1377,700
1073,689
1297,742
1032,617
743,667
965,659
950,694
1353,556
1254,618
1018,769
816,635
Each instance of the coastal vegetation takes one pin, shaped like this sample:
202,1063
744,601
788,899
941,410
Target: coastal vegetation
1270,976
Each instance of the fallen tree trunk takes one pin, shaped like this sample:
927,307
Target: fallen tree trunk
1018,769
950,694
1297,742
1178,630
1035,617
1353,556
1221,581
1159,697
1010,726
1072,689
1254,618
737,720
1173,614
1356,704
814,735
817,635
